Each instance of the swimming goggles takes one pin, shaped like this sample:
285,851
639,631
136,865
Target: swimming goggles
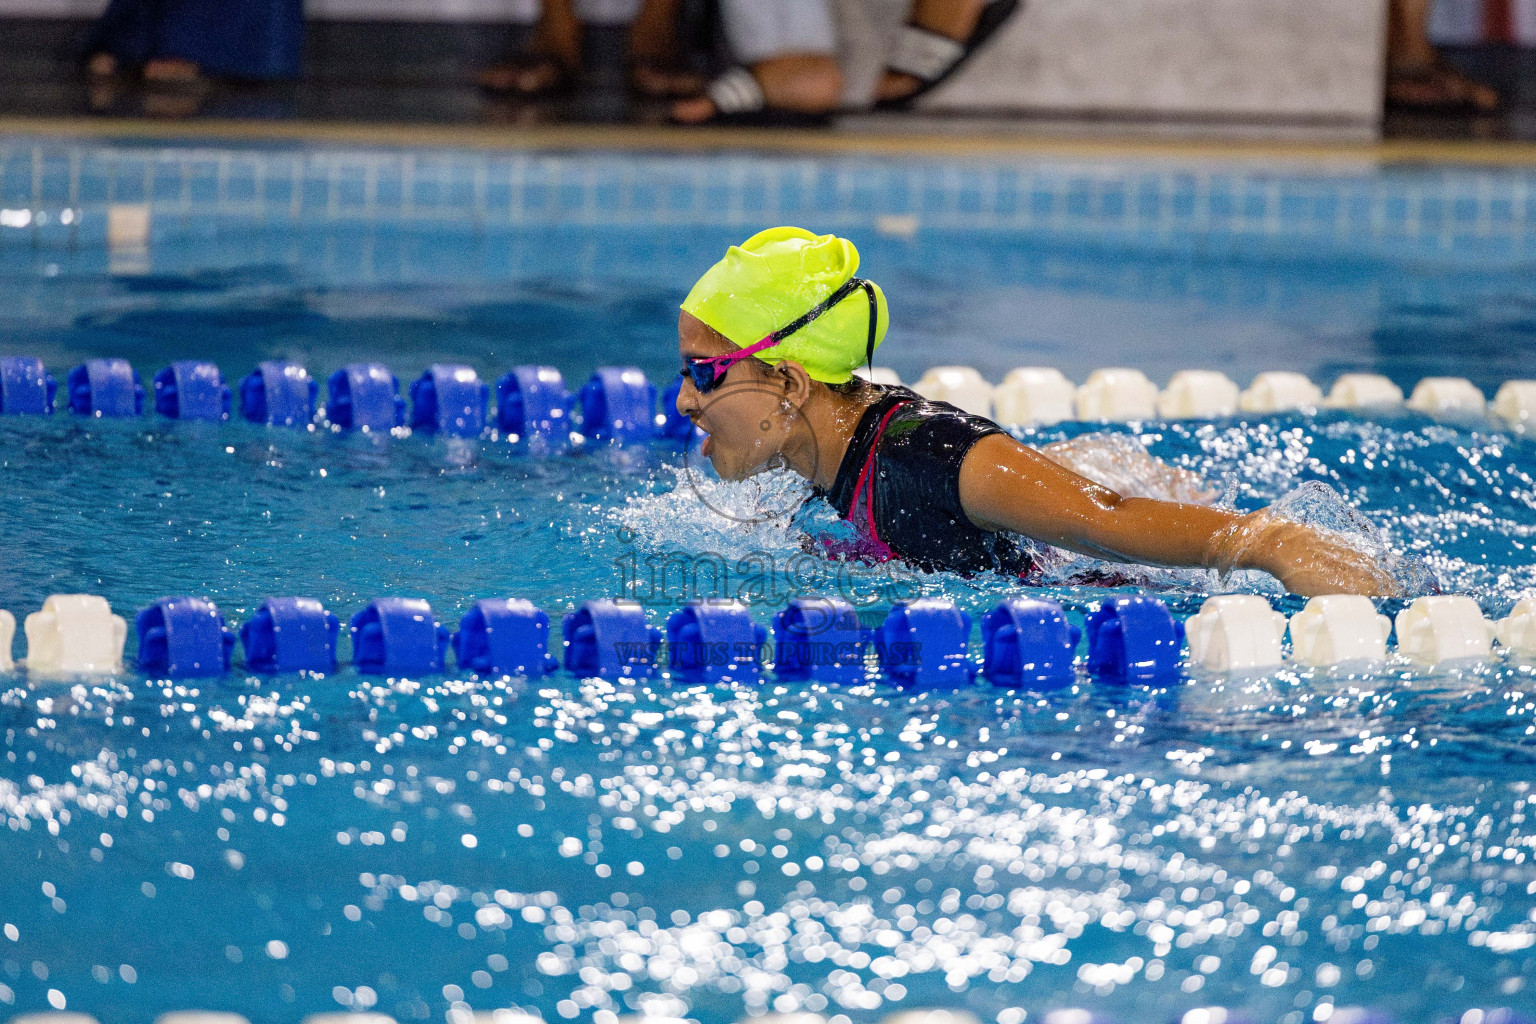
709,373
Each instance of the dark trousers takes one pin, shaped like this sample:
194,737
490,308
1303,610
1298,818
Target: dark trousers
256,39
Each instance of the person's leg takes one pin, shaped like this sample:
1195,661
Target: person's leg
789,49
653,53
254,40
554,58
124,34
1416,76
955,19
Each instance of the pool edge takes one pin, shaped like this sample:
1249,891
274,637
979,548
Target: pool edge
660,138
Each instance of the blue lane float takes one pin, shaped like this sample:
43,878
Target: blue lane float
449,398
533,401
925,644
674,425
365,396
290,634
105,387
1370,1015
398,636
618,404
821,639
279,394
190,390
1497,1015
183,637
1134,640
26,387
504,637
1028,642
610,639
715,642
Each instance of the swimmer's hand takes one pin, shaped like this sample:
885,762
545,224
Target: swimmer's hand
1306,561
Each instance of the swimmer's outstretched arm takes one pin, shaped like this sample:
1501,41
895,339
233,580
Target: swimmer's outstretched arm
1006,486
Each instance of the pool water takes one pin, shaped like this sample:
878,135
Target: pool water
587,849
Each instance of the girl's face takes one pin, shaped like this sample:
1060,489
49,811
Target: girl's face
746,415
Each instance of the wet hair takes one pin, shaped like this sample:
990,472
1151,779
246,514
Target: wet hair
856,387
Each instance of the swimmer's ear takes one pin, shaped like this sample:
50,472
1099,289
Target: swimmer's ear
797,383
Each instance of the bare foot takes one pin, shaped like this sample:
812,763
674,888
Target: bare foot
694,110
896,85
172,70
101,65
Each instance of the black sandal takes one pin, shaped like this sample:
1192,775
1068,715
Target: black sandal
1435,88
563,80
662,67
931,57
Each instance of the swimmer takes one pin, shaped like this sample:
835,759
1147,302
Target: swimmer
770,337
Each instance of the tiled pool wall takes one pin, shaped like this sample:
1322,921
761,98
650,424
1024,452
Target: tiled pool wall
60,194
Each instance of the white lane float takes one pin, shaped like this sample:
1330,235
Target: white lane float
1198,394
1338,628
1281,391
1235,631
1033,396
1117,395
1447,396
935,1016
1517,630
879,375
75,633
960,386
1445,627
1364,391
1516,403
201,1017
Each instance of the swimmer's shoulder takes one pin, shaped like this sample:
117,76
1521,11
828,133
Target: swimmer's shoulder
931,423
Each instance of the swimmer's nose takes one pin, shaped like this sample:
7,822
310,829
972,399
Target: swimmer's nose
688,400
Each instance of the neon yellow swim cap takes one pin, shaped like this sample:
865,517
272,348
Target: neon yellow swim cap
774,278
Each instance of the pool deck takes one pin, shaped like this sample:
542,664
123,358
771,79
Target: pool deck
864,139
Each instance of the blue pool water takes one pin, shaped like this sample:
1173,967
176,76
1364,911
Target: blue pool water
587,849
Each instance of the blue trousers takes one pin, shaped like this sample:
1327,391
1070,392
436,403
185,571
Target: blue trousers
255,39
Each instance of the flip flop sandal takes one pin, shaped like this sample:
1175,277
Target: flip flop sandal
931,57
1441,85
739,100
563,82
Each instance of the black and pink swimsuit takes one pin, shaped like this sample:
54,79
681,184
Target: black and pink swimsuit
899,483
